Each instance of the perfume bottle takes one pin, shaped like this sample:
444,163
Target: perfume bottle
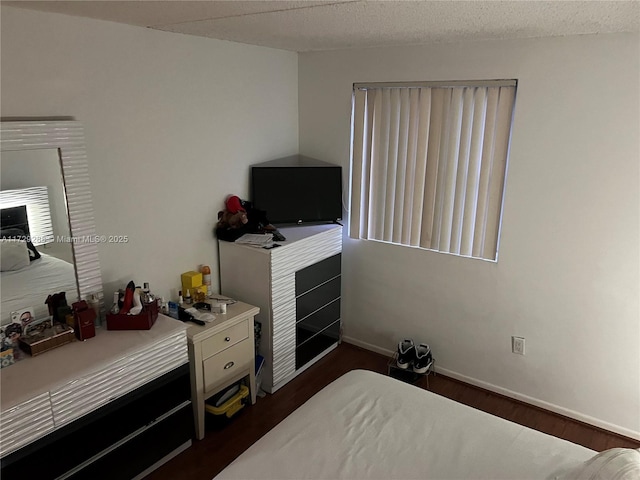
115,308
206,276
147,296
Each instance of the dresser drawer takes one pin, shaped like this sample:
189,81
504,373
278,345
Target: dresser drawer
25,423
85,394
225,339
317,274
317,344
226,364
316,322
317,298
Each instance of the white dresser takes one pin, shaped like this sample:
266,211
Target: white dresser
86,408
297,287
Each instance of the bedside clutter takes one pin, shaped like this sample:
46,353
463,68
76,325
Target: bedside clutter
60,334
223,406
143,321
133,308
34,336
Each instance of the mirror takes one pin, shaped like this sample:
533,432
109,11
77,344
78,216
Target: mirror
21,173
45,185
40,168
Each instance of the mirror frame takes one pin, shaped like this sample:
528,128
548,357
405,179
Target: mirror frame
67,137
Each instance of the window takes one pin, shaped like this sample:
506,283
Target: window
428,164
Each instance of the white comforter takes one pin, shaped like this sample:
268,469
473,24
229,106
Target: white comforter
369,426
30,286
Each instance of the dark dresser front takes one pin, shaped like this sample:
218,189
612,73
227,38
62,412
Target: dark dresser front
317,308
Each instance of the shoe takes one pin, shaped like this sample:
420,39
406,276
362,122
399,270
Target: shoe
128,298
422,359
406,351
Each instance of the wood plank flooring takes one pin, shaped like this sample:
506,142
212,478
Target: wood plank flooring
207,457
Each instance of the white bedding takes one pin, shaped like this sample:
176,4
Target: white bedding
30,286
366,425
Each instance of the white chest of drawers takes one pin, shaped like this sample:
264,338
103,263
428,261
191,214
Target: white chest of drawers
297,287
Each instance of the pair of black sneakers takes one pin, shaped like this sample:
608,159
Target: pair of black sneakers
417,355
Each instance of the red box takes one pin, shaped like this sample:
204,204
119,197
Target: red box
85,328
84,317
142,321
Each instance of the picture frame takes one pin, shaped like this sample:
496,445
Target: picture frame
24,316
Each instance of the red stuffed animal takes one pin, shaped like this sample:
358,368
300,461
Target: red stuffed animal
234,216
239,217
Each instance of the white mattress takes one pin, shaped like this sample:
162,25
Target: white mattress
367,425
30,286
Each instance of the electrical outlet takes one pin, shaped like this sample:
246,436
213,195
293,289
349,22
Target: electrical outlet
517,345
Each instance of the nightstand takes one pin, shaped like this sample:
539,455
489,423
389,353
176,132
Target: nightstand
220,353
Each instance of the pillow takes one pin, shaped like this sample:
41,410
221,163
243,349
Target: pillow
14,255
612,464
19,234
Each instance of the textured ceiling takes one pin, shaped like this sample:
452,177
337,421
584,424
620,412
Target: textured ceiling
326,25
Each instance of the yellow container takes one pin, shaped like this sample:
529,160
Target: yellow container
190,280
199,294
193,291
231,406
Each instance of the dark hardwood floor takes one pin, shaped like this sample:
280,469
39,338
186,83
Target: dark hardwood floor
207,457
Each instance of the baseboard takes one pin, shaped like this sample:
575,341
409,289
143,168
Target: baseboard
368,346
511,394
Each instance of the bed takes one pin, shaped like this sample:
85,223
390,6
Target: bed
367,425
28,275
29,286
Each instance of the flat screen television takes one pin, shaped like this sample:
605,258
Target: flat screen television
297,189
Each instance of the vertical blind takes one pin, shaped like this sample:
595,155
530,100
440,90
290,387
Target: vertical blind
429,165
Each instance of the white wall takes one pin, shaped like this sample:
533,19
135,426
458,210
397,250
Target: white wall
568,273
172,123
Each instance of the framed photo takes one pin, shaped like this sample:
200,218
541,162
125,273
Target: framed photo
29,323
24,317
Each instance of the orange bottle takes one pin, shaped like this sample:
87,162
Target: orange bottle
206,276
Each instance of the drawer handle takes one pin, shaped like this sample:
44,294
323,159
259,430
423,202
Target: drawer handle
227,339
228,366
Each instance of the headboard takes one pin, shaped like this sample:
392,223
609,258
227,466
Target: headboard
36,216
15,217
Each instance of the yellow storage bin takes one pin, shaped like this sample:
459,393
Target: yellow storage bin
190,280
231,406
